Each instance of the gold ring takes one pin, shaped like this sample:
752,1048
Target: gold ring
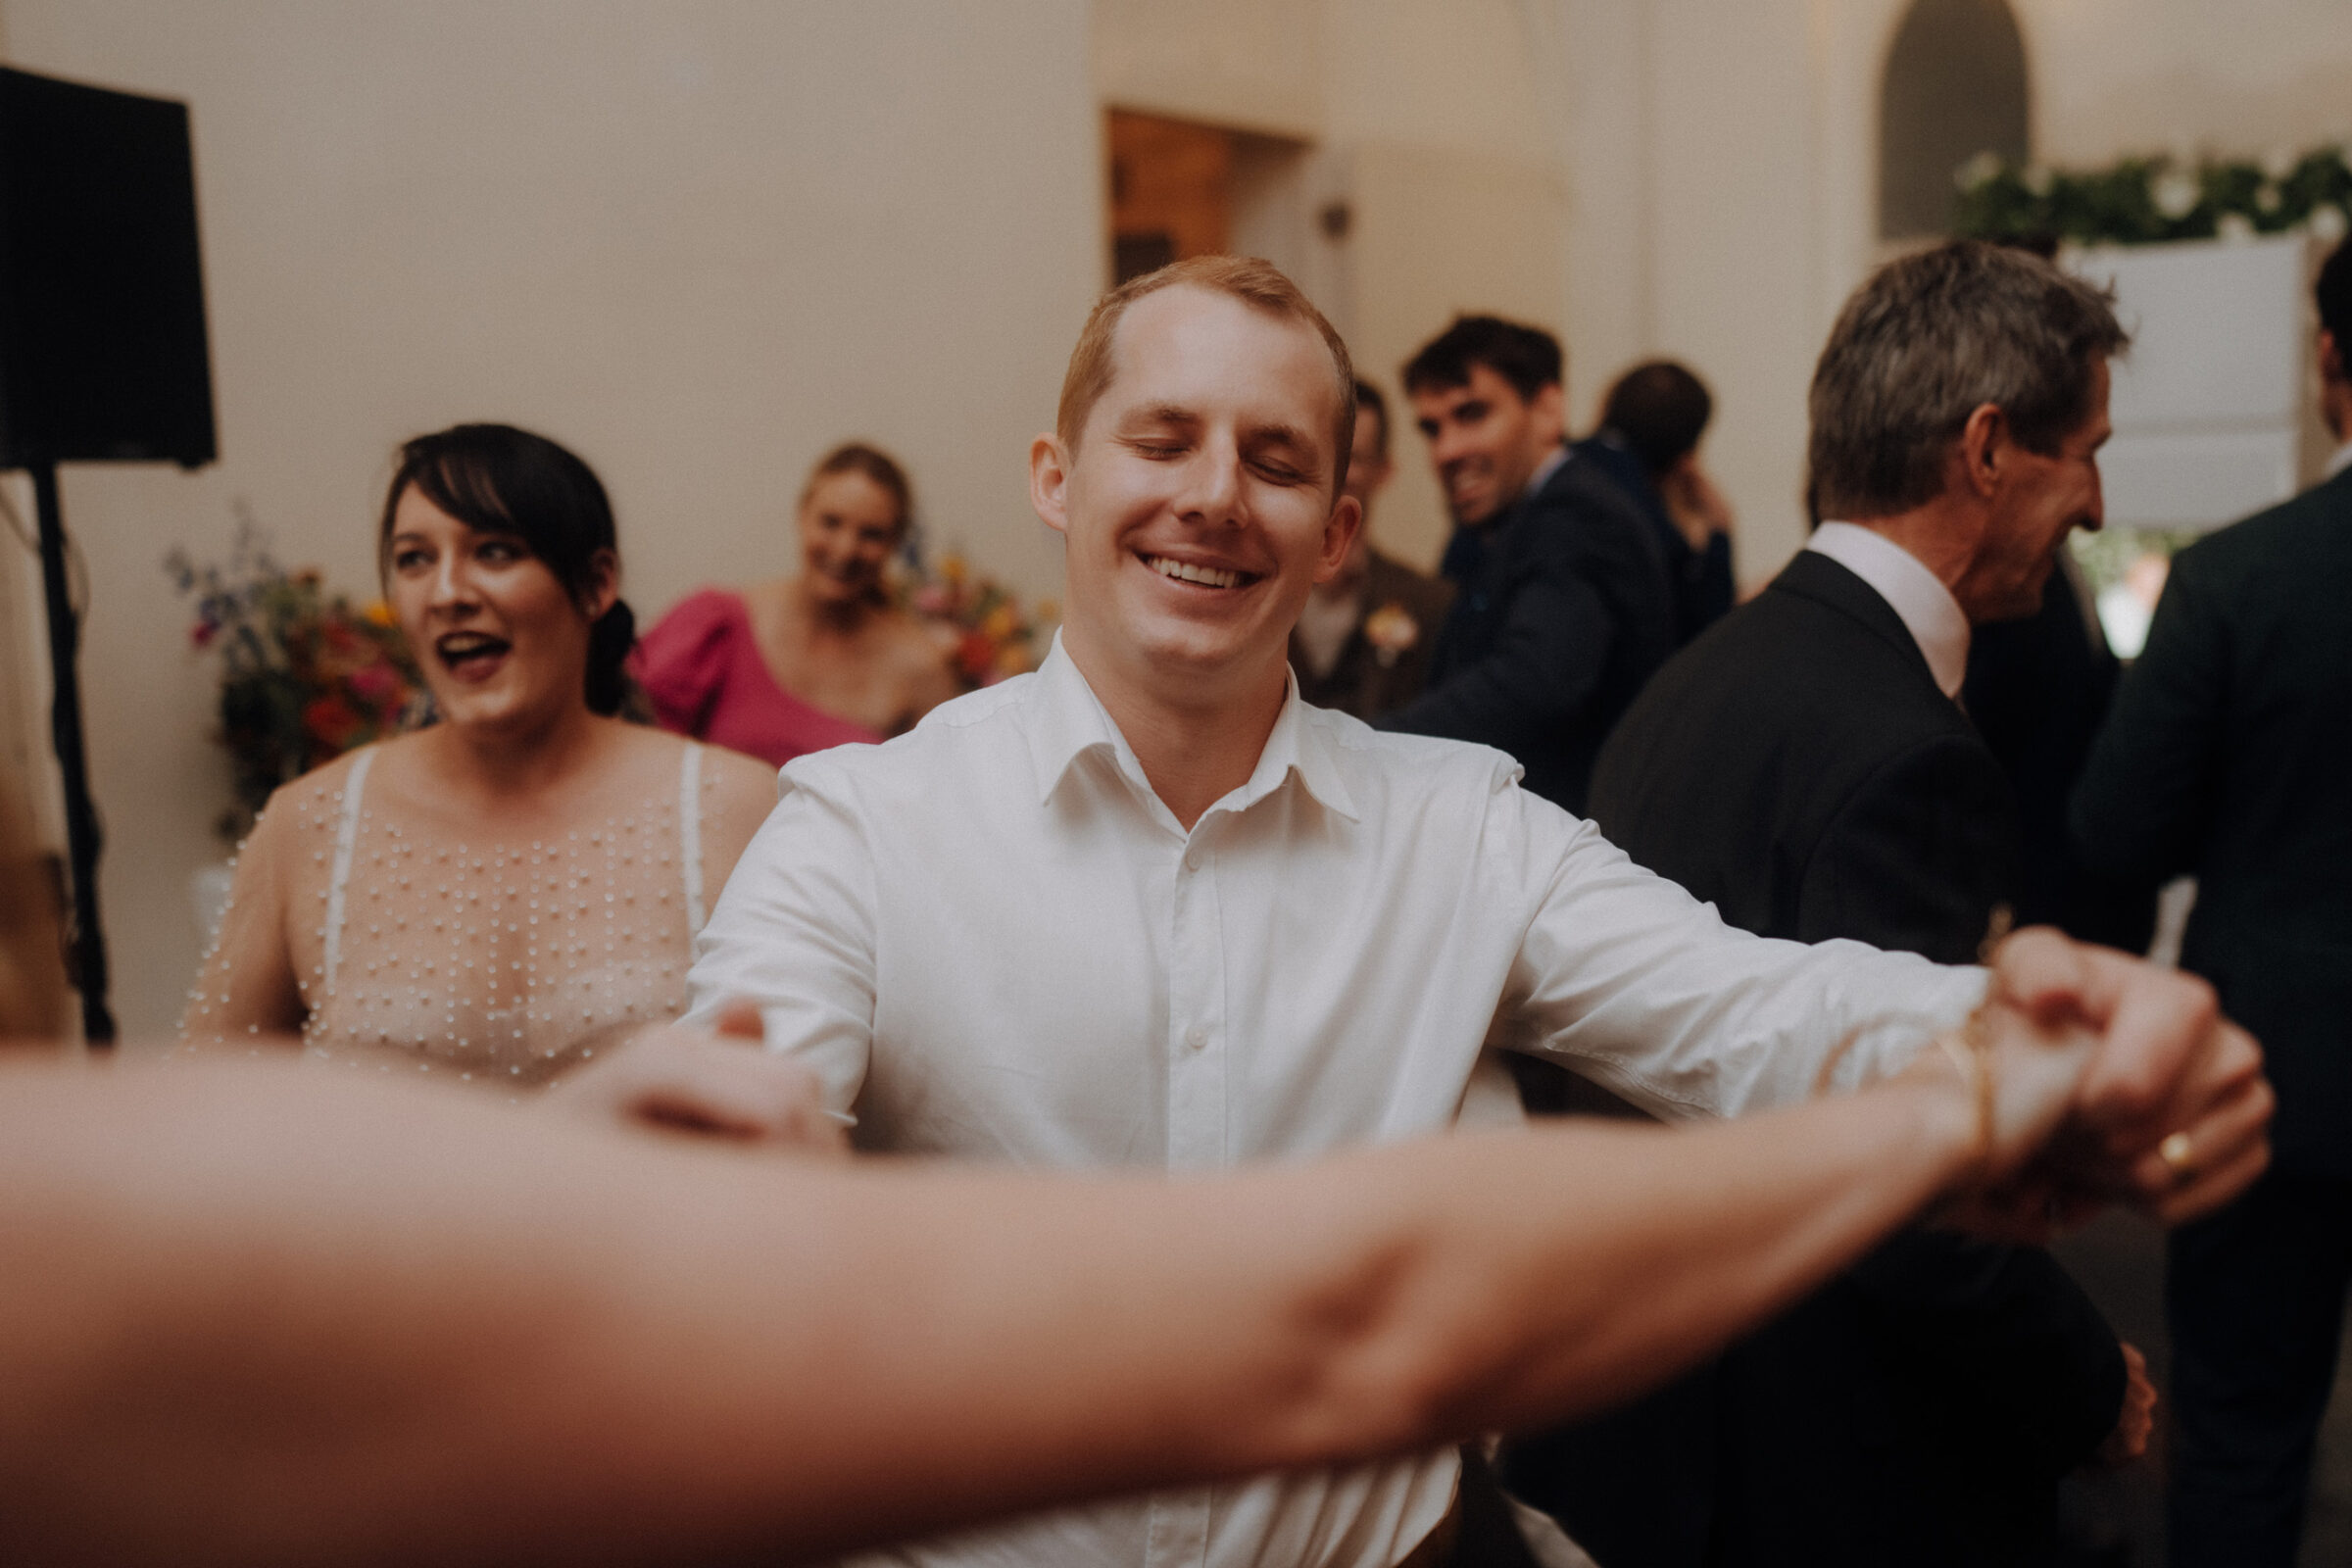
2176,1153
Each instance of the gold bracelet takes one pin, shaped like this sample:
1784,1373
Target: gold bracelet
1970,1047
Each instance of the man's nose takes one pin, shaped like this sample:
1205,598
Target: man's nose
1213,483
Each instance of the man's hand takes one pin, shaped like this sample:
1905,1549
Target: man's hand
2130,1439
718,1084
2173,1111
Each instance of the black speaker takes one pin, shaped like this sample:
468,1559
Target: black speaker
101,341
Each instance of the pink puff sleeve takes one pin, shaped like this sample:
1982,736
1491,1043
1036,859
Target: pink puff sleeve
683,661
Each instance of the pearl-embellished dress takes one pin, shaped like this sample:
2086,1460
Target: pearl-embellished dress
420,940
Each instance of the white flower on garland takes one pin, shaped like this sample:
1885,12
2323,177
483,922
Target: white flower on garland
2279,163
2175,193
2329,224
1985,166
2234,228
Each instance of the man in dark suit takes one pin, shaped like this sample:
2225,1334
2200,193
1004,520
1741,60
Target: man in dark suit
1565,607
2230,755
2038,691
1363,644
1805,766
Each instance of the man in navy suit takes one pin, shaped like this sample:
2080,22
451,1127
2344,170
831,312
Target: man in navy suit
2228,755
1565,604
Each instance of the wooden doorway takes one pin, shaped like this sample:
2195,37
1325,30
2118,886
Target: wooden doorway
1171,192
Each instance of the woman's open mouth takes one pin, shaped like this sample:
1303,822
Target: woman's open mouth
1200,575
470,655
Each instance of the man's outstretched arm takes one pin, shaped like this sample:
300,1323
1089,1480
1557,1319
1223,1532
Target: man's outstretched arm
252,1314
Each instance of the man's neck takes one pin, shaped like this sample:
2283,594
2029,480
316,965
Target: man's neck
1194,753
1934,536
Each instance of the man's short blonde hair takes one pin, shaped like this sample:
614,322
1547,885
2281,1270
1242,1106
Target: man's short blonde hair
1256,283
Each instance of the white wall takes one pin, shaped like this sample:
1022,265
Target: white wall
1721,189
1436,124
2116,77
698,242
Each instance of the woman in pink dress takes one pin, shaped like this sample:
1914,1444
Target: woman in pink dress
800,664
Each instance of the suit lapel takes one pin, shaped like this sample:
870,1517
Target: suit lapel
1815,576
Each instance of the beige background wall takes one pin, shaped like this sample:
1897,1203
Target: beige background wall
698,242
1432,123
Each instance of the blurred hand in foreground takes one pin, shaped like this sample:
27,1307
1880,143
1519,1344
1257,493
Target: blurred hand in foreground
712,1083
2171,1113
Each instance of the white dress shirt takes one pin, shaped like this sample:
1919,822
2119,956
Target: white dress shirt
2339,460
993,940
1916,594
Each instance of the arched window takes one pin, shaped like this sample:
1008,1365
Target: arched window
1955,86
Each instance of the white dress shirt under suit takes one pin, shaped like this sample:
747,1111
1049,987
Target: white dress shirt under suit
1927,609
994,941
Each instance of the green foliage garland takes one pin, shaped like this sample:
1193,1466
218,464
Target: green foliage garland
2142,201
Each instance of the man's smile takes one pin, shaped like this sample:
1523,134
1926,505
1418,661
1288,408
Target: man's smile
1191,571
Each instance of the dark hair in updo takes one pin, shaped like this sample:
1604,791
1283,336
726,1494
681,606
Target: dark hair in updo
497,479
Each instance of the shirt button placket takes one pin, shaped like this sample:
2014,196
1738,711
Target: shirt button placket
1196,1072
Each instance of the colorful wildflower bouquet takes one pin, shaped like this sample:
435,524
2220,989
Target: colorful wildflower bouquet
305,675
979,622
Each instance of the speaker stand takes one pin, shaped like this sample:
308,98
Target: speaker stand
64,732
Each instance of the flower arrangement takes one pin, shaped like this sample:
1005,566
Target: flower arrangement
2142,201
980,626
305,674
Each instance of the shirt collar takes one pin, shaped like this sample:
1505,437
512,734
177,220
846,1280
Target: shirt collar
1545,469
1067,721
1929,610
2341,461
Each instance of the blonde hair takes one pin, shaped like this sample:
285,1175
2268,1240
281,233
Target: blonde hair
33,970
1256,283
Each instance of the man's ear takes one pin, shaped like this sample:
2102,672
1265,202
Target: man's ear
1339,529
1549,405
1984,448
1050,481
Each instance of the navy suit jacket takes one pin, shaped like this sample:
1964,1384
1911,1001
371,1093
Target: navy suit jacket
1565,608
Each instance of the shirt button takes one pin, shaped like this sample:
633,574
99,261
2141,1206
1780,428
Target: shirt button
1192,860
1196,1037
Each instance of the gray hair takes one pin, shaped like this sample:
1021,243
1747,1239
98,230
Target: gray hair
1924,342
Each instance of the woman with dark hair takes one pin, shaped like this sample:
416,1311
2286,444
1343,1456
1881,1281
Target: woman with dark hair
493,896
800,664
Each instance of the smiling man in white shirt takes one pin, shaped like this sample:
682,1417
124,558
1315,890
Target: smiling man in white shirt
1146,908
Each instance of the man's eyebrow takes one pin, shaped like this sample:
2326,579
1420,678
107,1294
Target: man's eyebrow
1161,413
1282,435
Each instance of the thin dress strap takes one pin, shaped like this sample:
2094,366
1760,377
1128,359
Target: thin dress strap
347,837
690,833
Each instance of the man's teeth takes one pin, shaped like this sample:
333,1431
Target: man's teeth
1186,572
